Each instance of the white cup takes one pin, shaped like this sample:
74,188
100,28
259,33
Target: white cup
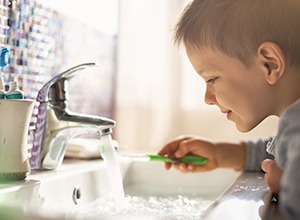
14,123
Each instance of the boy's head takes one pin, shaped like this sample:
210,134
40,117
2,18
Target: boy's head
248,52
237,27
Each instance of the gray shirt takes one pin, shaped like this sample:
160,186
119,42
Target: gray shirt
286,145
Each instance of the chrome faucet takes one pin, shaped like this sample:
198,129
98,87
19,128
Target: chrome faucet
56,124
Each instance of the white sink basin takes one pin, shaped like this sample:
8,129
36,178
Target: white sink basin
74,190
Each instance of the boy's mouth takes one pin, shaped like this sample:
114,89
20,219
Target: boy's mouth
228,113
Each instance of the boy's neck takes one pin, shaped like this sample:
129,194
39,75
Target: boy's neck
289,90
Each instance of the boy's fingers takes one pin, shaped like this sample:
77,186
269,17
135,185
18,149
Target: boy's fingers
183,149
191,167
168,166
265,165
168,149
188,146
171,147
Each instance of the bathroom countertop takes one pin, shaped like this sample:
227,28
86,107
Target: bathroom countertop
248,198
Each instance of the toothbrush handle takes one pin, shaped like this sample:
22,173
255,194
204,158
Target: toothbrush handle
194,159
185,159
160,158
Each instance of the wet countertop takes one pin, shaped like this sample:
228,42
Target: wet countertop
249,198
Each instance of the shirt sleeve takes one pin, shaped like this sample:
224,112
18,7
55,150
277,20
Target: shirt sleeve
289,197
288,158
256,153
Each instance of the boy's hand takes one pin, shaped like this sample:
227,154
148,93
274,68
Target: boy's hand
225,155
273,175
190,146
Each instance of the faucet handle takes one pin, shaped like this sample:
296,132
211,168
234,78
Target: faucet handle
66,75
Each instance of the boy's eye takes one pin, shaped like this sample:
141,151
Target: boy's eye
212,80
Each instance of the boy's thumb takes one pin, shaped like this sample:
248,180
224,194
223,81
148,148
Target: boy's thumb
179,153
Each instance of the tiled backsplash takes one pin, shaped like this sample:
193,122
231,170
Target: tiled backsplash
31,34
44,42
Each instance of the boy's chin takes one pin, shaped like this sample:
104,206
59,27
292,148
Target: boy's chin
244,127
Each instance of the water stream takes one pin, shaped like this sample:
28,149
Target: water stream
110,157
178,207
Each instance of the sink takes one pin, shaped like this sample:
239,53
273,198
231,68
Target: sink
81,187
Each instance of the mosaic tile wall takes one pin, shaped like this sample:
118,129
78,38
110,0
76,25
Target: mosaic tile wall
44,43
29,30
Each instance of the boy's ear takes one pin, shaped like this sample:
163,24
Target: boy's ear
273,61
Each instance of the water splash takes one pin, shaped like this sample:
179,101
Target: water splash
163,207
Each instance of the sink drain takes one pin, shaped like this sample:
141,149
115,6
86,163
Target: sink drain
76,195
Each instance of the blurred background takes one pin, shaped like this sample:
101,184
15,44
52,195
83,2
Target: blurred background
143,81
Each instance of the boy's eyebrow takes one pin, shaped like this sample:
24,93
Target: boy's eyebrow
200,71
203,73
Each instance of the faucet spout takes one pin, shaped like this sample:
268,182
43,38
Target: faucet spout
56,124
64,114
56,143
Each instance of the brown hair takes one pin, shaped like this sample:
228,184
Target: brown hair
237,27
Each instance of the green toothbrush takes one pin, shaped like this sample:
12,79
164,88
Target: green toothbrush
188,159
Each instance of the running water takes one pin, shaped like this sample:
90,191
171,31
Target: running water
110,157
136,204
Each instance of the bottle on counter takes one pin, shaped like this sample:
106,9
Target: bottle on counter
2,89
14,92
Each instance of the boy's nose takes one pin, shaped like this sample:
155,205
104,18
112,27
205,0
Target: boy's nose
210,98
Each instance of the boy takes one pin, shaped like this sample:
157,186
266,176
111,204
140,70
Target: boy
248,52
